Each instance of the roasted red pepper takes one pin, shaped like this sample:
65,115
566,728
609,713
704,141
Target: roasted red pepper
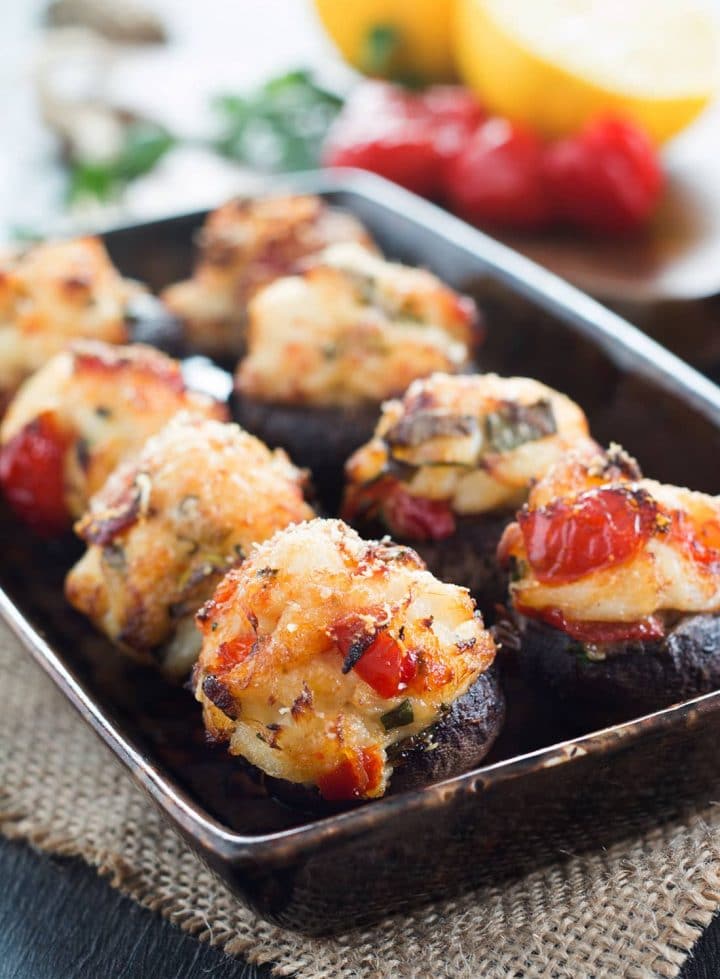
32,475
232,652
417,518
604,527
379,659
357,776
408,516
597,632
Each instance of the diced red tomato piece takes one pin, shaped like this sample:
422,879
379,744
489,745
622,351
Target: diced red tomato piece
607,178
356,777
604,527
32,475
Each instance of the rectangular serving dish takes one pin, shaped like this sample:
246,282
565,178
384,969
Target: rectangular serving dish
542,793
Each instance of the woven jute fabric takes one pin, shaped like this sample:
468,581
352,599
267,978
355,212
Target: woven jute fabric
632,911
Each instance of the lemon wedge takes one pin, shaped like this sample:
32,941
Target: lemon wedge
400,39
554,64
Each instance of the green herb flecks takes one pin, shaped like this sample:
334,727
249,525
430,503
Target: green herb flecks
577,649
399,716
279,127
513,425
518,569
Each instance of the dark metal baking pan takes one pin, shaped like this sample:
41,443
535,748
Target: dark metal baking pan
543,792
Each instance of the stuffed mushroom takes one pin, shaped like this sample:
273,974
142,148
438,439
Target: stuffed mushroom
71,423
51,294
327,347
616,588
244,245
342,667
449,464
166,527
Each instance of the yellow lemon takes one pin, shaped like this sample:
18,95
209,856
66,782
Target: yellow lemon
554,64
401,39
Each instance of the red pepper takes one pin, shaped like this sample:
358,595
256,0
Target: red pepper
496,178
408,516
607,178
386,666
650,627
701,540
232,652
604,527
356,777
381,661
403,136
417,518
32,475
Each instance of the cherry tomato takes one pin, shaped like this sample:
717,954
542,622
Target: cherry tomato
403,136
497,177
387,130
607,178
603,527
357,775
648,628
32,468
416,518
455,114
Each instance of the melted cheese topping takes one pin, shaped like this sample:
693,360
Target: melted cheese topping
663,575
108,400
54,293
475,441
270,675
244,245
170,522
352,329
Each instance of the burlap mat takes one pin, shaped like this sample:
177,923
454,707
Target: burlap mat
632,911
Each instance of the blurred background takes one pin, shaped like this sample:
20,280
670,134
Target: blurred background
584,133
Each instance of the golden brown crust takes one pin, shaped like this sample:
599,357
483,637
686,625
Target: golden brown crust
672,563
53,293
287,640
353,329
107,400
244,245
471,442
170,522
